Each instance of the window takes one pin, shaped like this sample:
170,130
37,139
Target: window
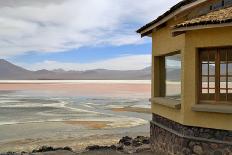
173,76
216,74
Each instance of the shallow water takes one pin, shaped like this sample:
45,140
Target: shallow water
31,118
22,107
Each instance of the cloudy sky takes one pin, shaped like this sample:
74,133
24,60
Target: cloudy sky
77,34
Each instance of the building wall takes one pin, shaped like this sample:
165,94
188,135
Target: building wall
216,37
163,43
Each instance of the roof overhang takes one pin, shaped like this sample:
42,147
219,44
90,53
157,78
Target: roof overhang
178,31
148,30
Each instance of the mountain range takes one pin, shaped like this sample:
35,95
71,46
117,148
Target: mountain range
9,71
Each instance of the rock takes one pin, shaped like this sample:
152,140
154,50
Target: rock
92,148
113,147
49,149
143,149
197,149
125,140
9,153
186,151
67,148
136,143
142,139
120,148
191,144
146,141
214,146
217,153
97,147
127,143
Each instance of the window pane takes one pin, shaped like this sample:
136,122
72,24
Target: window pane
212,91
223,82
229,82
212,69
230,69
223,91
173,76
204,69
204,91
223,69
212,82
205,82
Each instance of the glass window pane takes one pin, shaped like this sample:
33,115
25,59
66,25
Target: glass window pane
204,91
204,69
212,91
173,76
223,69
212,82
212,69
223,91
229,82
230,69
205,82
223,82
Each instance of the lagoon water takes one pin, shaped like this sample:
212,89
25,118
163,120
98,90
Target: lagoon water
62,113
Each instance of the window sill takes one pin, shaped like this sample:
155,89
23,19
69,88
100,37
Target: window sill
171,103
211,108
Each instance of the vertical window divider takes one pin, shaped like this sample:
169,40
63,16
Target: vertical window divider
208,73
227,75
217,75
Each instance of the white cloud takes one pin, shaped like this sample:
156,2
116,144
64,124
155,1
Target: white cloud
60,25
131,62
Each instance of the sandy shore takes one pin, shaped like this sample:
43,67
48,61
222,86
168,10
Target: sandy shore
132,109
90,124
77,144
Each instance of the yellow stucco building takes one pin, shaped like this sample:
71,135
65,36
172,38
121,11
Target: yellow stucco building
197,119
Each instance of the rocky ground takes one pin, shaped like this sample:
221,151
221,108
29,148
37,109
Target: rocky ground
126,145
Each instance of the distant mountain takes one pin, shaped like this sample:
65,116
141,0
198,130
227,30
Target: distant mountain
9,71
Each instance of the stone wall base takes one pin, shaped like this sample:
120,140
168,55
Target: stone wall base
168,137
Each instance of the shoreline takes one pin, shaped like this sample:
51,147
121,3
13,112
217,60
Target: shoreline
75,81
78,145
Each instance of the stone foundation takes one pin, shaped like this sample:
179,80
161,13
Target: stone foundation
169,137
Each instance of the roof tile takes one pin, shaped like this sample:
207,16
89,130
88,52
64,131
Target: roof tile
216,17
